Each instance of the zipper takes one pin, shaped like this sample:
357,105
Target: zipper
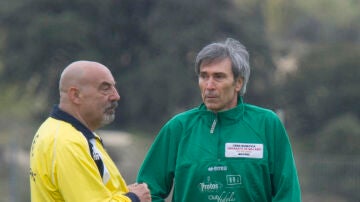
212,129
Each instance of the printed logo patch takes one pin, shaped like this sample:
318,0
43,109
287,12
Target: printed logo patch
244,150
233,179
209,186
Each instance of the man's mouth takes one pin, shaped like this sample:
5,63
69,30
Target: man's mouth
111,109
210,96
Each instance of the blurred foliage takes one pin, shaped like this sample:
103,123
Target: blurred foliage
325,87
345,128
318,21
149,46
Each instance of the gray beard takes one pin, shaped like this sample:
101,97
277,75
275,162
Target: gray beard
108,118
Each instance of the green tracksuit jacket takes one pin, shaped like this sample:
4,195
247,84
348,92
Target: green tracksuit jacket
242,154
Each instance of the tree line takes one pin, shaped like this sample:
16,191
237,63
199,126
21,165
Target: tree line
150,46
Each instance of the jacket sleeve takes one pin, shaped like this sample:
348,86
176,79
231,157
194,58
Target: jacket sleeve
158,167
285,183
76,174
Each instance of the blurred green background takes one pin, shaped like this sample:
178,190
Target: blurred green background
304,58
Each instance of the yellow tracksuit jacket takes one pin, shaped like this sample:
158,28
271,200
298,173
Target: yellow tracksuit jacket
62,168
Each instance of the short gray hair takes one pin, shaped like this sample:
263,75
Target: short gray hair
231,49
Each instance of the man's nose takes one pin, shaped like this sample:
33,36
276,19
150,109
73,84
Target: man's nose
115,96
210,84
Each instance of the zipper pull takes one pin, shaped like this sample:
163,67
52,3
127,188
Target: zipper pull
213,126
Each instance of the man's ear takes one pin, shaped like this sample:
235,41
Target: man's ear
74,95
238,84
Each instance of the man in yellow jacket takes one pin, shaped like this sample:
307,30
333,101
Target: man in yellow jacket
67,159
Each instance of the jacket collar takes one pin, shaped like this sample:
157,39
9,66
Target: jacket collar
59,114
228,116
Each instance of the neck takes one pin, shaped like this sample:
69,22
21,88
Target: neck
75,113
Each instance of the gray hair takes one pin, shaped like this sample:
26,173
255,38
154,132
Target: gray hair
232,49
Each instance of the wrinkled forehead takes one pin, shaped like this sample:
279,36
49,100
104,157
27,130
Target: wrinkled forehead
217,65
96,76
210,60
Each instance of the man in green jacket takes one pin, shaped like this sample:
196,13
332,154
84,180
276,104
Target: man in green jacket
224,150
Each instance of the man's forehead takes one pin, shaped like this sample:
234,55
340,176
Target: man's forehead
107,83
221,66
107,80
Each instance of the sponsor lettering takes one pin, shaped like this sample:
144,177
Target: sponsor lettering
244,150
208,187
217,168
223,197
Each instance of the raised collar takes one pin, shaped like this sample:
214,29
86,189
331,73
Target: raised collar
59,114
226,117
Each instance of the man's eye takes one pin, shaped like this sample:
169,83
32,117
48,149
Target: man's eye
203,76
106,89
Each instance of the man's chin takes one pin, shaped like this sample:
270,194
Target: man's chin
211,106
109,118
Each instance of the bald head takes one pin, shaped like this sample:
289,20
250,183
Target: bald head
79,72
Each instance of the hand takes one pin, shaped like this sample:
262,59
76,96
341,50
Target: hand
141,190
